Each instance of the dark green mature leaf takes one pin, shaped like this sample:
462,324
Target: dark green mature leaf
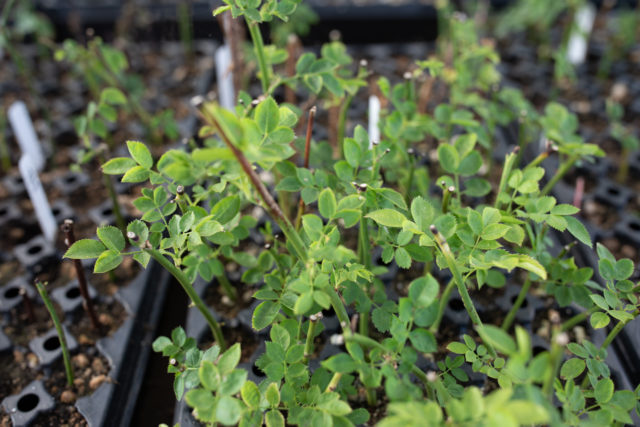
341,362
229,359
603,391
423,291
85,249
209,375
578,230
423,340
264,314
111,237
226,209
274,418
228,410
599,320
402,258
572,368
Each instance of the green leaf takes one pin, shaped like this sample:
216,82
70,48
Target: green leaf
202,400
273,395
387,217
457,347
448,158
423,291
229,359
228,410
250,394
564,209
327,204
423,340
111,237
498,338
623,269
403,259
136,174
599,320
118,166
226,209
572,368
352,152
113,96
603,391
422,213
267,115
303,303
107,261
209,375
233,382
85,249
140,154
264,314
342,363
274,418
578,230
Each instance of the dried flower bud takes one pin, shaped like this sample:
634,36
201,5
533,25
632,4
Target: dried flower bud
432,376
407,75
267,246
180,190
132,236
197,100
451,189
562,339
364,63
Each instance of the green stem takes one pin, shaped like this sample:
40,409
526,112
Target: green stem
509,161
308,345
559,174
555,358
364,256
5,158
412,167
228,288
508,320
444,300
616,330
623,171
342,122
333,384
61,336
462,288
258,46
578,318
216,330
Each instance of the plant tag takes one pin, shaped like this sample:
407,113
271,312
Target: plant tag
583,23
38,197
224,74
25,133
374,119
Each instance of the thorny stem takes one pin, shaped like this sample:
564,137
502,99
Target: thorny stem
444,300
258,45
61,336
271,206
307,150
462,288
216,330
87,304
508,320
311,331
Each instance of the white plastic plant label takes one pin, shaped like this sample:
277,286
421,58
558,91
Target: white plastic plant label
374,119
224,75
577,45
38,197
25,133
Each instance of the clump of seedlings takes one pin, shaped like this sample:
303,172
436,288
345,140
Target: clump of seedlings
462,228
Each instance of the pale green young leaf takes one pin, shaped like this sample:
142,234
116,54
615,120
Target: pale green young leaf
140,153
111,237
229,359
327,204
387,217
118,165
107,261
267,115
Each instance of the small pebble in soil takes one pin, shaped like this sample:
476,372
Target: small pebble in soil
67,396
81,361
105,319
97,365
79,385
619,92
85,340
18,356
32,360
96,381
226,300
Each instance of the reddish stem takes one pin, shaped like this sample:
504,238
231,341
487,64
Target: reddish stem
579,193
69,239
28,305
307,150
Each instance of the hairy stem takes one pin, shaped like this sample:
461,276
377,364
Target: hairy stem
364,256
216,330
558,175
311,331
578,318
61,336
307,150
509,161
